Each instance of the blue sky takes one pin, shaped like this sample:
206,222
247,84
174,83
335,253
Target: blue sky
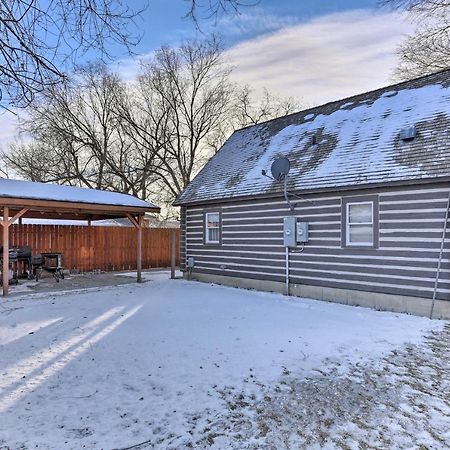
315,50
164,21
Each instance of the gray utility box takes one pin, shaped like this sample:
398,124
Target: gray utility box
289,236
302,232
294,232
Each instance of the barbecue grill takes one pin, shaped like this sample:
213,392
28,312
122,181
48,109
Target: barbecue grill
50,262
13,257
33,264
24,256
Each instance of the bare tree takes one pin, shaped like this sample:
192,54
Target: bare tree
31,161
147,138
38,38
428,49
269,106
190,88
207,9
78,138
41,39
250,108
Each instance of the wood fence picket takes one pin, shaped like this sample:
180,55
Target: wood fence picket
98,248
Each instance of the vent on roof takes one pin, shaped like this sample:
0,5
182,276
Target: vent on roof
346,105
389,94
408,133
314,139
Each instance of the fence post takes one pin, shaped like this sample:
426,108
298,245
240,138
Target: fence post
173,254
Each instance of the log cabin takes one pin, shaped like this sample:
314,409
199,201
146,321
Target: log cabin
361,216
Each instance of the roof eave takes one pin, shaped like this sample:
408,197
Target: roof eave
315,191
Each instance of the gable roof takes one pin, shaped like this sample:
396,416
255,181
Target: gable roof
358,143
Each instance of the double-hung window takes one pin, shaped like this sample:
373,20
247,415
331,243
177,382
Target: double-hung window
212,228
360,224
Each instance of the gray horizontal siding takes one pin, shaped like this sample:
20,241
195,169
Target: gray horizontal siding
410,219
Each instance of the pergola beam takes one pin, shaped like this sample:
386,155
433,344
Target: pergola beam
75,207
133,220
18,215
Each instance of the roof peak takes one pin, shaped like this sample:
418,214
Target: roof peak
358,143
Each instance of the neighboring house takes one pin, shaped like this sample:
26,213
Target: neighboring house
148,222
372,173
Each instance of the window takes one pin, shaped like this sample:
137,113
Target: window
360,224
212,228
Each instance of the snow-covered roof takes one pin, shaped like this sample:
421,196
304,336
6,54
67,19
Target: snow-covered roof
52,192
357,143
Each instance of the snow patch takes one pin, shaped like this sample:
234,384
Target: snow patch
115,367
45,191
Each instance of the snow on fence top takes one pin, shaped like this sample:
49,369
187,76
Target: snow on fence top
357,143
52,192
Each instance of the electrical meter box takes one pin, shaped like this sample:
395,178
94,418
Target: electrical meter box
289,236
302,232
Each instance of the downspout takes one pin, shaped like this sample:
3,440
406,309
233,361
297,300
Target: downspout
438,270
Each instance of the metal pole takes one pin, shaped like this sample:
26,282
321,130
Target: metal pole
5,251
287,270
438,271
173,254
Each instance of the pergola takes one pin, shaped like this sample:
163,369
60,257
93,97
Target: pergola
20,199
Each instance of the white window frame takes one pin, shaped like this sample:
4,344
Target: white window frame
207,228
348,243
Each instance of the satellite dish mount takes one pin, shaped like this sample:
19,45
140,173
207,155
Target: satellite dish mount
280,169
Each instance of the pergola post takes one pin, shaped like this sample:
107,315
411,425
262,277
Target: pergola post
5,224
139,250
138,222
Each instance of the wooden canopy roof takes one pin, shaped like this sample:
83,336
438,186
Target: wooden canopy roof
41,200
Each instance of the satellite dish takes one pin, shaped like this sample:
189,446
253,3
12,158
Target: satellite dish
280,168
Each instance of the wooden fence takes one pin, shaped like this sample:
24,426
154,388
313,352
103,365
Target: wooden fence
98,248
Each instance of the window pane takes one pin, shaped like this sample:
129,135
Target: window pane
212,227
360,234
213,220
360,213
213,235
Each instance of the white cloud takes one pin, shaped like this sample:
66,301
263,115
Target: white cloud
8,128
231,26
252,22
332,57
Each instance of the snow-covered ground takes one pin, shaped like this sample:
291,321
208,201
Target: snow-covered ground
177,364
